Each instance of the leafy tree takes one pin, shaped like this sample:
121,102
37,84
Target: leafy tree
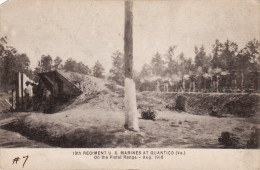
22,62
200,56
11,62
250,56
157,65
57,63
146,71
248,64
201,59
171,64
184,66
145,79
117,70
3,42
8,67
228,56
72,65
98,70
216,52
253,50
45,64
82,68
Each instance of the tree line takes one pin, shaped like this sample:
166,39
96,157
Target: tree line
225,67
11,62
46,64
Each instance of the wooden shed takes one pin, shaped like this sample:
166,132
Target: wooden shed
60,84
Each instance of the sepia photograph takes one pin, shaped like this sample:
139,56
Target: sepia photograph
130,74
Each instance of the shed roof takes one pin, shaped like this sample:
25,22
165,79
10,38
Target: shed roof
50,79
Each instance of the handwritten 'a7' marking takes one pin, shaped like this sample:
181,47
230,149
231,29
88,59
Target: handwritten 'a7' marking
15,160
26,157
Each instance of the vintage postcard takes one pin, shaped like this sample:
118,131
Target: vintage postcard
129,84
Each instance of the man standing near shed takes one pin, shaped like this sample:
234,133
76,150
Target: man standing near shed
26,96
131,119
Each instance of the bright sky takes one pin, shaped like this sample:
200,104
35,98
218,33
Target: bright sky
92,30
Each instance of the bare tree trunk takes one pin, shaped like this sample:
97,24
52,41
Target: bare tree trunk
166,87
204,84
157,86
242,82
183,84
211,85
190,88
217,84
193,86
131,119
235,82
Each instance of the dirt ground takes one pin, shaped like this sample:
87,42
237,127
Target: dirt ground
9,139
87,127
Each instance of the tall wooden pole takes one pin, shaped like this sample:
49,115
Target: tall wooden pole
131,118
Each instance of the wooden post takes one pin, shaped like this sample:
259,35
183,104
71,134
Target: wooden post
242,82
193,84
217,84
211,84
183,84
18,90
157,86
22,105
235,82
166,85
131,119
